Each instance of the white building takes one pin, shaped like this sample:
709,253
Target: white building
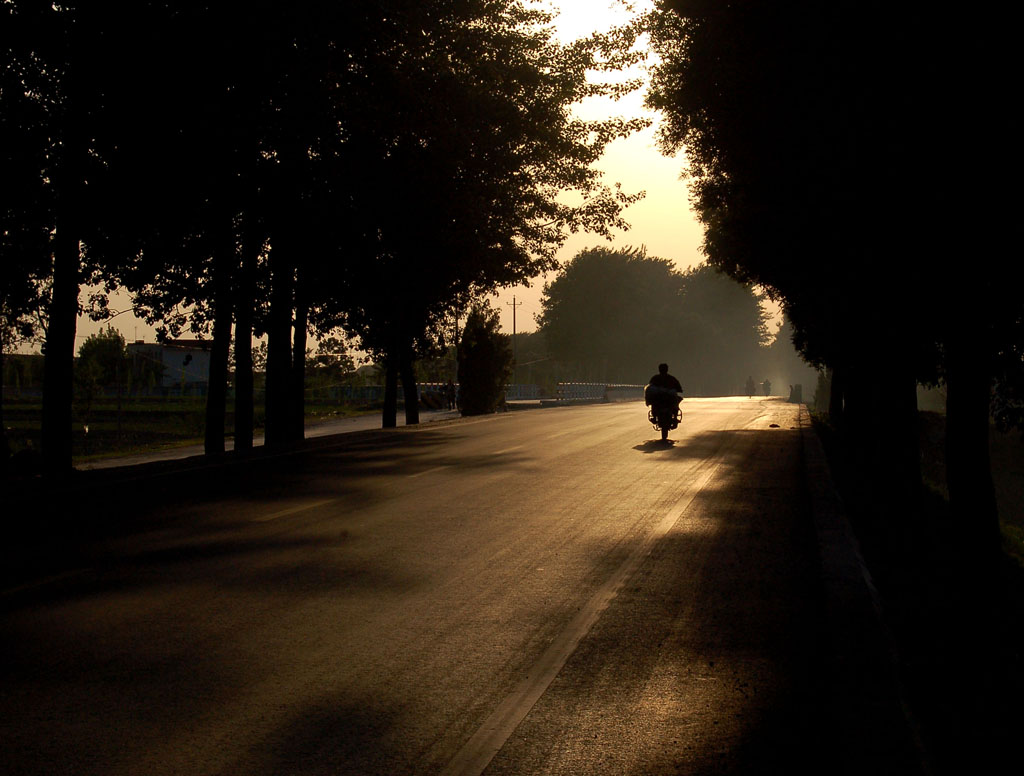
185,363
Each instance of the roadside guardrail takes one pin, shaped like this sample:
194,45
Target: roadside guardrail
581,392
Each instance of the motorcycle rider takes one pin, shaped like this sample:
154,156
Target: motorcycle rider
662,395
664,380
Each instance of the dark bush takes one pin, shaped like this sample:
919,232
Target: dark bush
485,362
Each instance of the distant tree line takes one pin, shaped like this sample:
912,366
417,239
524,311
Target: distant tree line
614,315
284,168
846,158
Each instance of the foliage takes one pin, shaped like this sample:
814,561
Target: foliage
333,353
102,362
723,330
181,142
619,313
26,199
437,369
59,63
105,355
278,163
821,182
784,365
485,361
822,175
1008,394
791,153
455,207
332,365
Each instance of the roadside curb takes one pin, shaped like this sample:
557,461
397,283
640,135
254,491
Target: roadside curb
134,471
872,729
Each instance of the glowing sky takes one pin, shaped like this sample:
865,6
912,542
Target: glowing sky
662,221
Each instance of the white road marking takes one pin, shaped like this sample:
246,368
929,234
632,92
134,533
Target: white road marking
563,433
506,450
477,753
429,471
56,578
293,510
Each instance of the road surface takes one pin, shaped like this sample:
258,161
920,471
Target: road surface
553,591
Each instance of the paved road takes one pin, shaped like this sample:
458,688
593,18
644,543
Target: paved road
539,592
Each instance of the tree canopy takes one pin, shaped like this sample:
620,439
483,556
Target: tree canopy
477,198
267,167
618,313
825,166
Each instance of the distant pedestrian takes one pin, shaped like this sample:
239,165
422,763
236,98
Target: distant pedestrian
449,395
750,386
767,387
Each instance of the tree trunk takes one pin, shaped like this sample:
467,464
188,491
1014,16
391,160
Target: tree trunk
279,360
245,303
881,433
298,374
389,418
898,412
117,378
5,445
217,390
968,465
59,358
412,403
58,363
835,396
853,420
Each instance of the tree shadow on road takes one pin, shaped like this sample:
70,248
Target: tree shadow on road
655,445
203,499
727,446
705,662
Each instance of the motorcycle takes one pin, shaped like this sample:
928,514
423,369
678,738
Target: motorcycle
664,412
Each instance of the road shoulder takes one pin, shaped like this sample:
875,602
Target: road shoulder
870,724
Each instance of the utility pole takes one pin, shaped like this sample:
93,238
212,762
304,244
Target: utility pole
515,353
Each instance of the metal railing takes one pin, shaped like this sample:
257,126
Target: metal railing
578,392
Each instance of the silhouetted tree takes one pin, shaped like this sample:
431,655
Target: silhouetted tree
618,312
455,204
1008,398
821,182
783,361
288,166
778,132
25,209
107,352
71,64
23,237
25,198
485,361
102,364
183,148
234,122
723,331
42,46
